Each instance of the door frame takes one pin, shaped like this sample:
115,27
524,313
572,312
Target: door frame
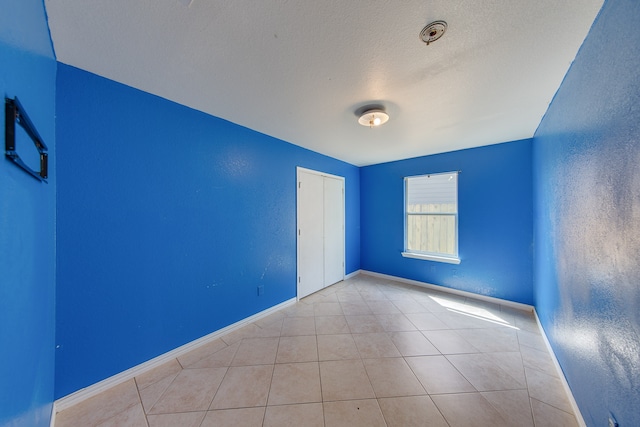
300,169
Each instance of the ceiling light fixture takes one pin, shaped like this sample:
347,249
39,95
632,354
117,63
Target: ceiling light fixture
374,117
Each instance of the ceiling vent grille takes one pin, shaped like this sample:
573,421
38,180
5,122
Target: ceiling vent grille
433,32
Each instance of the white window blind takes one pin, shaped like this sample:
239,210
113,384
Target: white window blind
431,217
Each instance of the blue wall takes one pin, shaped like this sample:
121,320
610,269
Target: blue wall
587,216
168,220
27,223
494,214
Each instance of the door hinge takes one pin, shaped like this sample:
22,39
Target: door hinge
298,232
298,279
299,184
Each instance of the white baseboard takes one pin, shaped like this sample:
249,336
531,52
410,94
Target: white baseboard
52,422
563,379
352,274
507,303
92,390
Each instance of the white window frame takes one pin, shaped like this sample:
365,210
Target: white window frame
430,256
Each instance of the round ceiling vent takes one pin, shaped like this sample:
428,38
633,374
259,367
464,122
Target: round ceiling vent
433,31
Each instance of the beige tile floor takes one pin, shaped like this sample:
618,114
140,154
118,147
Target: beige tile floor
363,352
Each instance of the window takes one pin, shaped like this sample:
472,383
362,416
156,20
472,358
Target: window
431,217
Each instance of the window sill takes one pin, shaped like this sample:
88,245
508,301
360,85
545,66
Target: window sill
438,258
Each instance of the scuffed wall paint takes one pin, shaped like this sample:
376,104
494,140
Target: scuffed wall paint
587,216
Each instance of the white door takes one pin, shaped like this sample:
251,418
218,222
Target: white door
310,233
333,230
320,231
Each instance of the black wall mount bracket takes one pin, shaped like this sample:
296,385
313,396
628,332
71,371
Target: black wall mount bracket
15,113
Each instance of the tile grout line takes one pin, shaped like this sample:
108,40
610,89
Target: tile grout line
144,413
273,371
526,381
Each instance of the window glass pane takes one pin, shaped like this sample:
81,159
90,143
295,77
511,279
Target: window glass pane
432,214
431,233
432,193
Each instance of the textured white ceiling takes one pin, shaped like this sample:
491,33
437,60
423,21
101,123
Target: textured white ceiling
299,69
